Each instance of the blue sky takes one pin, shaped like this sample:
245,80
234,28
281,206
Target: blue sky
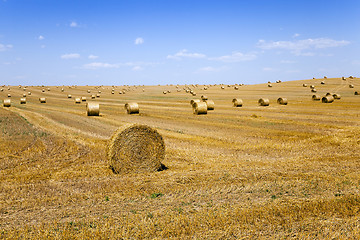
176,41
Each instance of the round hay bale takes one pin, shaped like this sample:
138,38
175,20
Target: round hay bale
210,104
22,100
29,93
351,77
69,96
98,95
24,95
164,92
237,102
329,94
343,78
93,96
192,101
99,91
200,108
112,92
236,88
304,85
357,93
325,77
205,88
92,109
313,90
48,89
88,91
9,95
131,108
136,148
351,86
264,102
316,97
77,100
269,85
194,94
1,90
43,90
83,99
42,100
204,97
282,101
336,96
312,86
327,99
62,89
222,87
7,102
322,82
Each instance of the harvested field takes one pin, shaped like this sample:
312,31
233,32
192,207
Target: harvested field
250,172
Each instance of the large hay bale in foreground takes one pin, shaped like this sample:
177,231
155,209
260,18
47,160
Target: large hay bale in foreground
7,102
192,101
264,102
42,100
136,148
237,102
327,99
200,108
316,97
131,108
93,109
210,104
282,101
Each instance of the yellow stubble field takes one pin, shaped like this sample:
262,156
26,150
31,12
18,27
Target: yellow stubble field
281,171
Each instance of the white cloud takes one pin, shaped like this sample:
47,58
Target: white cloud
5,47
92,56
41,37
297,46
73,24
184,53
287,61
236,57
70,56
97,65
139,41
212,69
137,68
296,35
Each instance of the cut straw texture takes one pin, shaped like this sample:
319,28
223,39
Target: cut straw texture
93,109
136,148
282,101
131,108
237,102
200,108
7,102
264,102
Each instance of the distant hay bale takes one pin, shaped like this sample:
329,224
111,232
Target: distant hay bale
269,82
7,102
1,90
357,93
222,87
329,94
77,100
169,91
343,78
135,148
351,86
48,89
269,85
69,96
22,100
237,102
327,99
236,88
131,108
192,101
325,77
112,92
264,102
29,93
316,97
42,100
282,101
43,90
205,88
313,90
204,97
99,91
24,95
210,104
83,99
92,109
194,94
200,108
336,96
93,96
98,95
9,95
164,92
62,89
88,91
304,85
312,86
351,77
322,82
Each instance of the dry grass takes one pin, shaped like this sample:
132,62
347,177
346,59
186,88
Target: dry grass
251,172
